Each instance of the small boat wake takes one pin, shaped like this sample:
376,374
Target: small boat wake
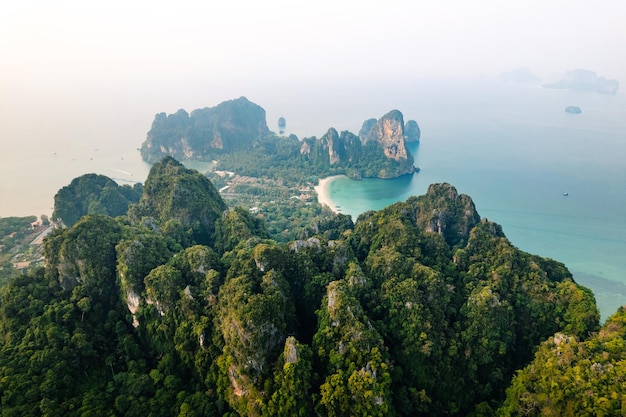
123,172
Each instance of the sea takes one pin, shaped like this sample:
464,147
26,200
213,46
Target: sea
554,181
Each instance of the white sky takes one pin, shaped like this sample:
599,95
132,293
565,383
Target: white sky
71,62
78,74
64,44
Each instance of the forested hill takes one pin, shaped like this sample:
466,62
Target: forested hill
186,308
235,134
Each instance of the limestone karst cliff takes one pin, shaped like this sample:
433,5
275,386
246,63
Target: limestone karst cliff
389,132
231,125
412,132
236,131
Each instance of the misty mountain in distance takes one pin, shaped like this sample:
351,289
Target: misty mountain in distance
576,80
585,80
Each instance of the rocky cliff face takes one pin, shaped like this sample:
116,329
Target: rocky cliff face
444,211
334,146
389,132
412,131
232,125
237,129
366,128
173,192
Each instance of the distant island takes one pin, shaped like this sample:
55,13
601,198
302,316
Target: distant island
573,110
584,80
235,135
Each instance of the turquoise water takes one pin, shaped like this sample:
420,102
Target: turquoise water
516,152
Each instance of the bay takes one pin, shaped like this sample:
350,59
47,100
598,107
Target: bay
516,152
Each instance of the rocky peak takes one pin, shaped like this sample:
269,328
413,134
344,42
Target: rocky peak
444,211
389,132
412,131
366,128
231,125
331,139
173,192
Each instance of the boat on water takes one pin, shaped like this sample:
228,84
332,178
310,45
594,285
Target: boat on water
565,194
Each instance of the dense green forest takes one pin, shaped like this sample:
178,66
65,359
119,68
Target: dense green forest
185,307
93,194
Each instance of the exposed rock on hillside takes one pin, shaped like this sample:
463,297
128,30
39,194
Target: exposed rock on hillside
173,192
339,149
389,132
236,131
232,125
366,127
442,210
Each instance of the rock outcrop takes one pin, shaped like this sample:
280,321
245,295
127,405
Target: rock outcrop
444,211
335,150
173,192
389,132
412,131
366,127
232,125
236,130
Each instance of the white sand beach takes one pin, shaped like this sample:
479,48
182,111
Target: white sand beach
322,192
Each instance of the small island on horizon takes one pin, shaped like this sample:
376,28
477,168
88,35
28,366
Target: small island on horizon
573,110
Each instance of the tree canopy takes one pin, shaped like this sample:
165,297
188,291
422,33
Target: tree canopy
93,194
186,308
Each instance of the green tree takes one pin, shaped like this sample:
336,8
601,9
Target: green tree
574,377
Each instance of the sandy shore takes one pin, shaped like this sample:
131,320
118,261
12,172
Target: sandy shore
322,192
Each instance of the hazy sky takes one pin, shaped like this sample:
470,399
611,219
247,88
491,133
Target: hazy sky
77,59
65,44
75,75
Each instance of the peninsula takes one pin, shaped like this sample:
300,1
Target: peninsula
235,134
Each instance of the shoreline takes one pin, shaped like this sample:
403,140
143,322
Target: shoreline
323,196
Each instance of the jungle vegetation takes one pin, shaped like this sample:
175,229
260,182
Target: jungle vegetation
186,307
